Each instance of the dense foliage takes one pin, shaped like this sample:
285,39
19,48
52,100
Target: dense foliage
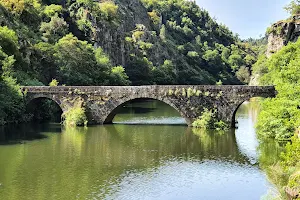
280,117
36,47
11,102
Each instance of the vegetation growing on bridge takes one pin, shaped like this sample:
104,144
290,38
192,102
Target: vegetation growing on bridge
208,120
75,116
53,83
190,92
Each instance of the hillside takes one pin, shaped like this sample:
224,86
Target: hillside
157,42
120,42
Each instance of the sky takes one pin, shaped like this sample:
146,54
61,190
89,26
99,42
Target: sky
248,18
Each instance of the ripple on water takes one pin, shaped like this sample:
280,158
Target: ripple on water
192,180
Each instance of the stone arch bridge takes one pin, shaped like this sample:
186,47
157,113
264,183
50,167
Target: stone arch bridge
102,102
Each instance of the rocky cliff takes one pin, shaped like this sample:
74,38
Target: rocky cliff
111,37
283,32
176,41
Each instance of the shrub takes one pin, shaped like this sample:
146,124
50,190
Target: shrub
108,10
15,6
138,34
208,120
53,83
154,17
54,30
75,116
291,157
205,120
220,125
52,9
162,33
192,54
219,82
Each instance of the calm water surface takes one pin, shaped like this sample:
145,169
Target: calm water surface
131,161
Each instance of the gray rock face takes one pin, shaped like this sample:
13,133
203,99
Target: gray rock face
111,37
282,33
102,102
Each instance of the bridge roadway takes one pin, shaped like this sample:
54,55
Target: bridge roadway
101,103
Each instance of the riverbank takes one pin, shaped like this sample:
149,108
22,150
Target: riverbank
280,116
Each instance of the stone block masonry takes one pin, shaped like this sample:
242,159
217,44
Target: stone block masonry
102,102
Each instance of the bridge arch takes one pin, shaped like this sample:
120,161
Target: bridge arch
108,118
31,98
238,105
33,102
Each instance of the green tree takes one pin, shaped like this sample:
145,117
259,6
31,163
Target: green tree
118,76
15,6
108,10
52,10
243,74
54,30
79,63
44,62
294,7
235,61
280,116
164,74
11,101
139,70
8,41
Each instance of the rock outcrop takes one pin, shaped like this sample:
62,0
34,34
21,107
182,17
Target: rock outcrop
283,32
111,37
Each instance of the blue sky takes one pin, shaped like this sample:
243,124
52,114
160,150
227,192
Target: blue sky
248,18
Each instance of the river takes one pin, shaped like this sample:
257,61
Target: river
147,154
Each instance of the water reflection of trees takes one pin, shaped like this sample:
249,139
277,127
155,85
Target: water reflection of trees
86,163
17,134
251,110
270,151
147,109
86,160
